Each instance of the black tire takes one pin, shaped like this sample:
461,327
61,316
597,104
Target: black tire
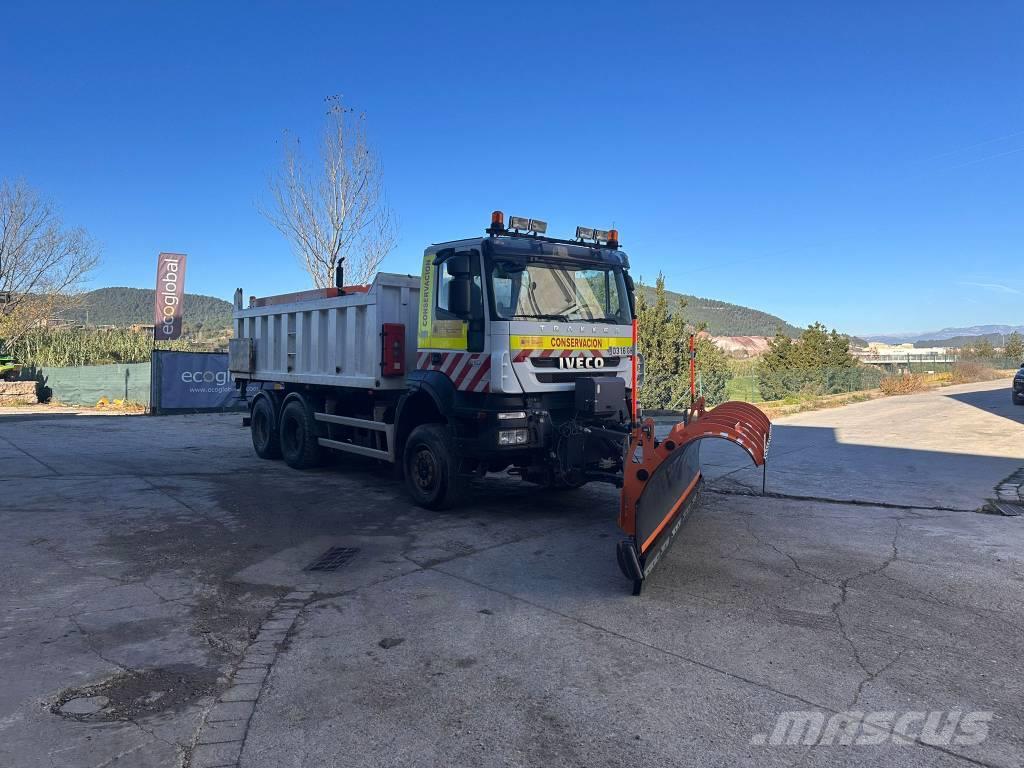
298,436
432,468
10,376
567,484
263,427
1017,399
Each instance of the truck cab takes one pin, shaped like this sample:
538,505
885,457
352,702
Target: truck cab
523,332
545,312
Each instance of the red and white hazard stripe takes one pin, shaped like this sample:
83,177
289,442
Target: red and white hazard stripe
469,372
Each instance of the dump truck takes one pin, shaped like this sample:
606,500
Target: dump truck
512,351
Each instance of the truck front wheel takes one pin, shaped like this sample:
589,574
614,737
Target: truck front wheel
299,445
263,425
432,468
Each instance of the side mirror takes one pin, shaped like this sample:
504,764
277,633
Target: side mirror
460,295
458,264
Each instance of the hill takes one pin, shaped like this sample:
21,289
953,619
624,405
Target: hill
725,319
125,306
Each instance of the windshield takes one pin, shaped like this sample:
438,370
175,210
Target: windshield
551,291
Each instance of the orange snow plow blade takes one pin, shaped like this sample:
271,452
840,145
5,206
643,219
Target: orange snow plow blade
662,478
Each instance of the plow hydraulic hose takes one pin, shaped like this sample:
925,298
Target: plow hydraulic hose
662,478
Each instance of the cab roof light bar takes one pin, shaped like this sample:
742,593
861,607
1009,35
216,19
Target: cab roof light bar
608,236
520,225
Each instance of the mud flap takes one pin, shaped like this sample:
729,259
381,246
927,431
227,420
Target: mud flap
662,480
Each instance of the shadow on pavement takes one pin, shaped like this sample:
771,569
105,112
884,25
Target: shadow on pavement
813,462
995,401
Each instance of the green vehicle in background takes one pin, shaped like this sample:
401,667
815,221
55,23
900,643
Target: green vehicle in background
9,369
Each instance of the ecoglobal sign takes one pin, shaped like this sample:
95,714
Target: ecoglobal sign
170,296
193,381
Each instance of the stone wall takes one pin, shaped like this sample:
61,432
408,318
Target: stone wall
17,393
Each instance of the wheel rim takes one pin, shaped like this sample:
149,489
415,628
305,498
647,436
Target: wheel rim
424,469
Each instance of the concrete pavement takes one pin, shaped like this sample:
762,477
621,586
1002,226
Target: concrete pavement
157,610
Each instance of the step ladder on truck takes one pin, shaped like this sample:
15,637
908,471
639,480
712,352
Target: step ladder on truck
513,351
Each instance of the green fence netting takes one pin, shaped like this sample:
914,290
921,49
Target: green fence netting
87,384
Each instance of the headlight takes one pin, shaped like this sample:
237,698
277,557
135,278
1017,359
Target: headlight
513,436
506,415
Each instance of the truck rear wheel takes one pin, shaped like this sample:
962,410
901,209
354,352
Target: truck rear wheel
431,467
299,445
263,426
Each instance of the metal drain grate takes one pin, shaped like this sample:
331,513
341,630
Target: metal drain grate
1005,508
333,559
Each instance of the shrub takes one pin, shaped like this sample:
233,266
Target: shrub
903,384
59,347
965,372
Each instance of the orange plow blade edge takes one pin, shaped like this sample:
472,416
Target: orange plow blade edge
662,478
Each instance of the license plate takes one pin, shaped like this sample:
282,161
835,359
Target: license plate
620,351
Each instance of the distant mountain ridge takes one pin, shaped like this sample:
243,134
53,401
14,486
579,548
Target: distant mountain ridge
725,319
946,334
127,306
995,339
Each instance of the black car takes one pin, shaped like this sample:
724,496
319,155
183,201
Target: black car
1018,387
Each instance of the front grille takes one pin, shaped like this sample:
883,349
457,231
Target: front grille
570,376
552,362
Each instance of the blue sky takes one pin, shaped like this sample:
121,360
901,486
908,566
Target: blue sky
861,164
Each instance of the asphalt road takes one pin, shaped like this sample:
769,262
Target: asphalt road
157,611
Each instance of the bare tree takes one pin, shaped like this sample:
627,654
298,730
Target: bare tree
42,264
335,213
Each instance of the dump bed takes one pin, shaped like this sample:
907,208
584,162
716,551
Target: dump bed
333,341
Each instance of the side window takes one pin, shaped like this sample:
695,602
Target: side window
444,281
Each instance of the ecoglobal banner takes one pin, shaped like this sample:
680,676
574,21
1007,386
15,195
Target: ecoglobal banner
192,381
169,303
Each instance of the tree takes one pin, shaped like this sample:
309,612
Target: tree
1014,347
660,337
819,360
334,215
983,348
663,338
42,264
713,373
775,369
